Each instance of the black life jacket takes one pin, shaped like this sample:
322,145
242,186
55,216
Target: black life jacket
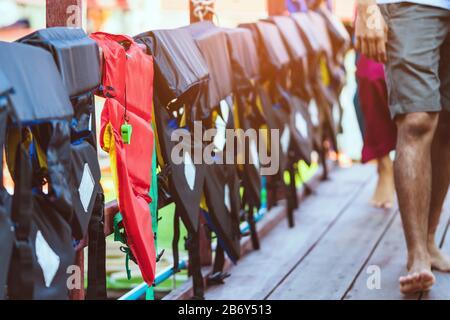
282,109
341,43
336,41
221,183
279,39
181,93
181,80
77,59
6,226
246,74
38,151
323,98
298,90
275,100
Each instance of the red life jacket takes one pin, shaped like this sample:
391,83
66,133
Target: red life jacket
128,89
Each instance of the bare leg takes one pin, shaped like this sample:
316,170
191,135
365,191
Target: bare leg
441,177
412,169
385,191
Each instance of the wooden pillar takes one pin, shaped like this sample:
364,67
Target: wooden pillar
205,243
193,18
64,13
276,7
204,234
68,13
78,294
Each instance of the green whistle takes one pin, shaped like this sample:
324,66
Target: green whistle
126,131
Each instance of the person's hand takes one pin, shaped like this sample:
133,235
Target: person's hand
371,31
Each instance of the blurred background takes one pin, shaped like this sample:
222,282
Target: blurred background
20,17
134,16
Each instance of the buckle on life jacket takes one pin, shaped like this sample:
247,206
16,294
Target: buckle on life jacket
22,278
164,196
24,252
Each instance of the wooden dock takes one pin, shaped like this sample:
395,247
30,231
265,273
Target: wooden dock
339,244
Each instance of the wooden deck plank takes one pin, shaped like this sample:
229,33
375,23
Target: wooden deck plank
390,256
259,272
273,218
329,269
441,291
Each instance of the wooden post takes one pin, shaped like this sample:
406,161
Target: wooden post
64,13
193,18
204,243
78,294
276,7
68,13
204,239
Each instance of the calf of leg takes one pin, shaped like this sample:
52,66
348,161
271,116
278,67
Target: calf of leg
412,169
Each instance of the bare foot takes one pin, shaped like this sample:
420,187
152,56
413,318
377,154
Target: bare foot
385,190
419,278
439,260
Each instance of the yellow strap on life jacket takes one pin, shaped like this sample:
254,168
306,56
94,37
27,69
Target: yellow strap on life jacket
109,146
41,155
237,124
14,139
203,204
259,104
326,79
159,155
183,118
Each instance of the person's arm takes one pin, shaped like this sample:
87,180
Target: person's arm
371,31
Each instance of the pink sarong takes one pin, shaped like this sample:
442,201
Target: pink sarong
380,132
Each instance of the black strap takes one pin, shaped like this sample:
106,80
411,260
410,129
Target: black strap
323,159
272,190
97,252
291,193
253,230
176,240
57,149
93,122
195,269
21,282
218,276
284,96
326,117
219,260
257,114
3,120
294,171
